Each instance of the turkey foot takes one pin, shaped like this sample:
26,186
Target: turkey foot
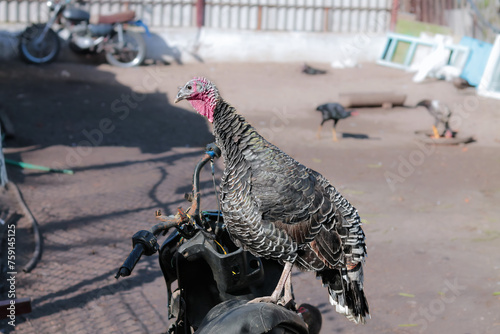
435,132
334,135
285,283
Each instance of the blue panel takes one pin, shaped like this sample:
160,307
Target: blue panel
474,67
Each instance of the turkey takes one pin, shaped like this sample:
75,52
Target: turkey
442,114
333,111
275,207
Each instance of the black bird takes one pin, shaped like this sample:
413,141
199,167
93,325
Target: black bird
312,71
441,114
333,111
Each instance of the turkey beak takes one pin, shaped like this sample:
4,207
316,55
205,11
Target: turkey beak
181,95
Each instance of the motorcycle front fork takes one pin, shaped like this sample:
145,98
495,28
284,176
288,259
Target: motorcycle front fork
55,13
111,47
47,27
121,40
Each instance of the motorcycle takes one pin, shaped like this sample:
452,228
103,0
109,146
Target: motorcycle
39,43
215,278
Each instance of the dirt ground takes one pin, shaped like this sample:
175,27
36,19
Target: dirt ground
430,213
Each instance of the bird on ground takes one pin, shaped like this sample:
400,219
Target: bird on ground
461,83
311,70
441,114
333,111
277,208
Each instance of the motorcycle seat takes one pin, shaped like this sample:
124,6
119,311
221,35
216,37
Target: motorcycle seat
238,316
126,16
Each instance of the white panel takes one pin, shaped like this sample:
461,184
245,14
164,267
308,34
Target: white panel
490,82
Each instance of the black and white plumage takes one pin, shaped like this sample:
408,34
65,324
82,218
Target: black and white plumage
277,208
441,113
334,111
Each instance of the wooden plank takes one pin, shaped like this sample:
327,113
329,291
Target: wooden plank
326,22
22,306
371,99
394,14
259,18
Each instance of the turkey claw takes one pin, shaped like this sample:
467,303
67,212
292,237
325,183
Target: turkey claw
267,299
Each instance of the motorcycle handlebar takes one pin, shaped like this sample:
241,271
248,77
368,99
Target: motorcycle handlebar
145,241
129,264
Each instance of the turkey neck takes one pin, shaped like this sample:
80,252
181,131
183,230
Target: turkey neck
230,130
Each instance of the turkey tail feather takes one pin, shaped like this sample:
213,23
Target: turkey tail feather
346,292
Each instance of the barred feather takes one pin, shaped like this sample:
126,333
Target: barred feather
277,208
322,230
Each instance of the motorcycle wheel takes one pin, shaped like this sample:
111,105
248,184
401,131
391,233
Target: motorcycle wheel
133,52
38,52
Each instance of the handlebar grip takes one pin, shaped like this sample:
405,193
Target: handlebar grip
131,261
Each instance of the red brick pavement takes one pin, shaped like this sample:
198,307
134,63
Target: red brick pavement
87,219
438,226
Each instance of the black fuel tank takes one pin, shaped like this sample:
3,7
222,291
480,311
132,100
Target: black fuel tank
76,15
100,29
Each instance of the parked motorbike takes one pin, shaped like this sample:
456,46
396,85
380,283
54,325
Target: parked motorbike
39,43
215,278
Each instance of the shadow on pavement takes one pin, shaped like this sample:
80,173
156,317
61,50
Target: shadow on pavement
81,117
50,105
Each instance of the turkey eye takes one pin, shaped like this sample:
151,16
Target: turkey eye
189,87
